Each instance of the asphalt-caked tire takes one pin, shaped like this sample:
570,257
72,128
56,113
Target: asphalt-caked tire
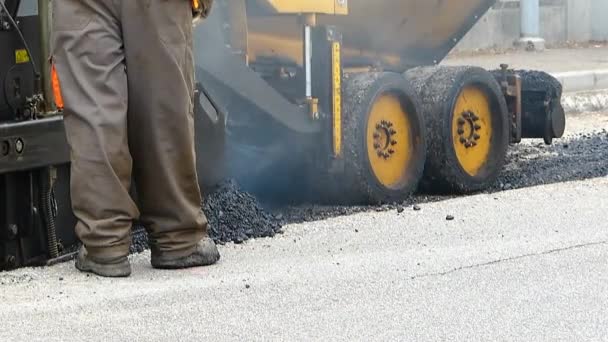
384,142
467,127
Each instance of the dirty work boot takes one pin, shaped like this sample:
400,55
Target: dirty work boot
115,268
205,254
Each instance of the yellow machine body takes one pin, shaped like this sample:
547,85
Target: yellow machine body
306,6
395,33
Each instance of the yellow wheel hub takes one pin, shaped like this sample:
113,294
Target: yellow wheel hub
472,129
389,140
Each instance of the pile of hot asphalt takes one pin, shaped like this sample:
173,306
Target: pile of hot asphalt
233,214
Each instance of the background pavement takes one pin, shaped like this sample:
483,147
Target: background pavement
550,60
579,69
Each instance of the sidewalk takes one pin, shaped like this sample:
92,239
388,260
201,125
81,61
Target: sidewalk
579,69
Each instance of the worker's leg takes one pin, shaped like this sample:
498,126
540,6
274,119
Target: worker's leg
158,48
89,58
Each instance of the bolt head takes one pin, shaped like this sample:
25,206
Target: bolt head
461,121
476,136
391,151
19,146
463,140
13,230
376,146
460,131
393,142
5,148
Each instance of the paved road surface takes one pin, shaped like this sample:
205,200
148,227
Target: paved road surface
524,265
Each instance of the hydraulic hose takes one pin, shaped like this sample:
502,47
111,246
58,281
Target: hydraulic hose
47,181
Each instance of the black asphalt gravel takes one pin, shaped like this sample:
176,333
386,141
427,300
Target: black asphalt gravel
236,216
578,157
233,214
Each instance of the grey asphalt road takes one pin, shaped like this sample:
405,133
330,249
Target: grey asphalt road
527,265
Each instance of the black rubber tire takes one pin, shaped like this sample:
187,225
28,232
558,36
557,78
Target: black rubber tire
438,88
360,184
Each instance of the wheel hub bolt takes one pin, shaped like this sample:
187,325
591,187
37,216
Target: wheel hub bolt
384,129
468,117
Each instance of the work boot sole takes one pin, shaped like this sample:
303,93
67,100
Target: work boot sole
188,262
206,254
116,270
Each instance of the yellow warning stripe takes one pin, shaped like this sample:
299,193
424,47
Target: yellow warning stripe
337,97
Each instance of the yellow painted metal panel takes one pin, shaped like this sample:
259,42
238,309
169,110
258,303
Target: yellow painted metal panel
308,6
21,56
394,32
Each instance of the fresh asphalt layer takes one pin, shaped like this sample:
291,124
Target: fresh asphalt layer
528,264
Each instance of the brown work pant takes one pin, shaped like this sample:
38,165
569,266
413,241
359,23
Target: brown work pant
127,80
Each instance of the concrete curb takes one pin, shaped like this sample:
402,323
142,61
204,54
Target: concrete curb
583,81
577,103
584,91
